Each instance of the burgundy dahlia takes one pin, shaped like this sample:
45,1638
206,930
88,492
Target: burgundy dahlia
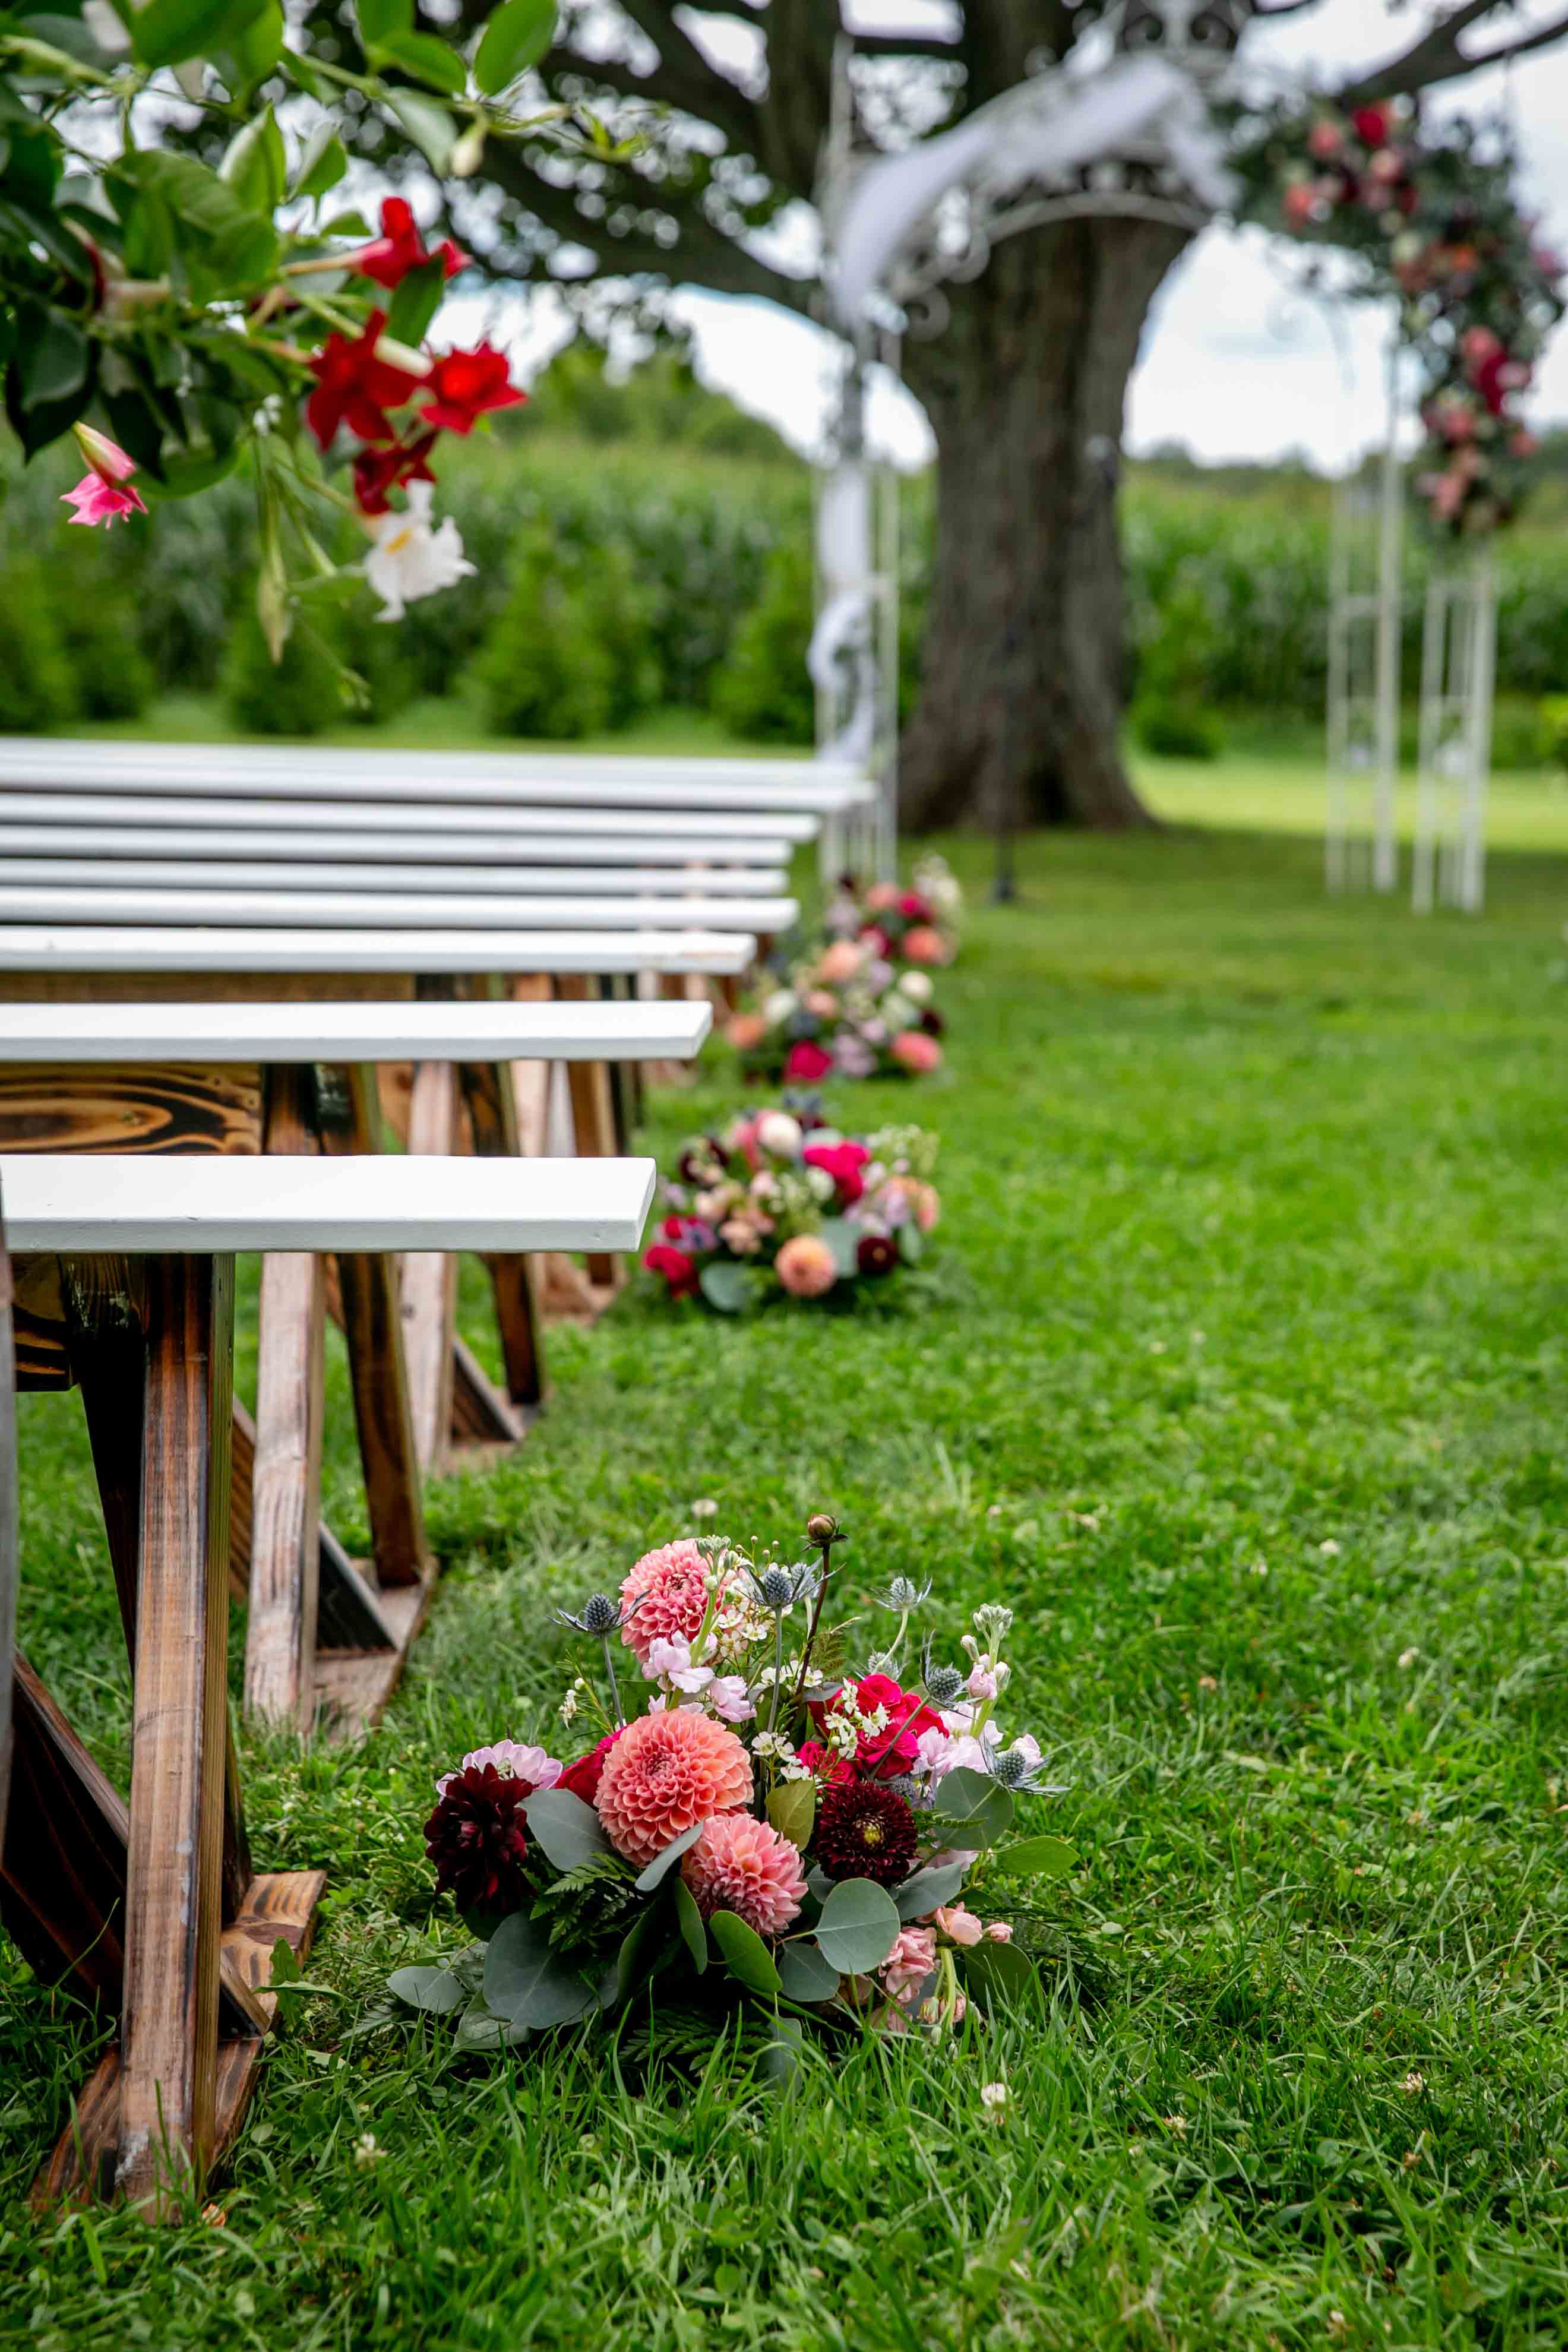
875,1253
865,1831
477,1840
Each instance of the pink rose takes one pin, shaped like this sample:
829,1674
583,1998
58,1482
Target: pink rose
924,945
915,1052
998,1931
745,1031
961,1927
838,964
907,1965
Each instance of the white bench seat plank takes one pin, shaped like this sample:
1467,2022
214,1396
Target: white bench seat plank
439,777
387,909
663,1030
286,844
43,947
211,1204
85,871
717,830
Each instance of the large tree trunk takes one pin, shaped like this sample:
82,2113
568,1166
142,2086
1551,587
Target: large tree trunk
1020,708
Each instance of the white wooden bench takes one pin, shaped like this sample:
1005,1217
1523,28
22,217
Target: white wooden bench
153,1908
718,832
86,867
240,1078
364,957
64,835
393,910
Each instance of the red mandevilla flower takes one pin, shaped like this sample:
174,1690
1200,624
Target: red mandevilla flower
378,472
400,249
468,385
355,388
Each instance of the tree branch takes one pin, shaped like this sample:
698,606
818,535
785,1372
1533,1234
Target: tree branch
1437,57
687,78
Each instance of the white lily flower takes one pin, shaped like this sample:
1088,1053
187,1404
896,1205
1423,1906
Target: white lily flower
411,559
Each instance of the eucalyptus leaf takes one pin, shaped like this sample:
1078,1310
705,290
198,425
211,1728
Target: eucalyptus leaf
689,1919
726,1286
858,1927
665,1860
642,1952
744,1954
997,1970
566,1828
912,1243
928,1889
435,1989
972,1802
780,2062
844,1240
526,1981
515,37
1035,1857
479,2027
805,1973
792,1810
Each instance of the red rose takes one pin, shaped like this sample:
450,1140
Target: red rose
1372,124
679,1270
807,1062
917,908
843,1162
583,1777
884,1755
824,1762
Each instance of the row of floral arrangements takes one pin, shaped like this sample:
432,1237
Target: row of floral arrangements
782,1204
1430,212
856,1001
755,1814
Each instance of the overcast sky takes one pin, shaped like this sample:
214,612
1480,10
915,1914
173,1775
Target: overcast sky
1235,364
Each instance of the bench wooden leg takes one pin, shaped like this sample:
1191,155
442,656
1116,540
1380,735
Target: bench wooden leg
175,1861
494,1126
593,1115
430,1276
285,1556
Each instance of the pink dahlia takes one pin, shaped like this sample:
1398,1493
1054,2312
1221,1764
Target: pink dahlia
806,1267
665,1774
746,1866
664,1597
915,1052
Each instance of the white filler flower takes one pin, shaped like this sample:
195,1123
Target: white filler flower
410,560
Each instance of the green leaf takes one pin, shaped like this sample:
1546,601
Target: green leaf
566,1828
928,1889
321,165
285,1969
429,59
53,357
780,2062
912,1243
479,2027
416,302
1035,1857
640,1956
516,37
526,1981
429,126
377,18
185,476
972,1802
252,53
792,1809
255,166
347,224
858,1927
689,1919
166,32
803,1972
997,1970
744,1954
726,1286
437,1990
664,1861
844,1240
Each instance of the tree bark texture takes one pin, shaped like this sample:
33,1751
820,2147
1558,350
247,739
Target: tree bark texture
1024,676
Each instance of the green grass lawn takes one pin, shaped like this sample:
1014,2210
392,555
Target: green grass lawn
1245,1388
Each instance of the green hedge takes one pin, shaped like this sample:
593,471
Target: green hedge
690,569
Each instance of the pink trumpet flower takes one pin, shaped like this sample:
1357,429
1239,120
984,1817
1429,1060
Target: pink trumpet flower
104,490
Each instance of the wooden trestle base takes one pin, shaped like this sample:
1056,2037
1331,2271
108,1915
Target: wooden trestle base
150,1909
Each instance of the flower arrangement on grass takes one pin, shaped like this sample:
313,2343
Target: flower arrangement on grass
756,1815
780,1204
841,1013
917,925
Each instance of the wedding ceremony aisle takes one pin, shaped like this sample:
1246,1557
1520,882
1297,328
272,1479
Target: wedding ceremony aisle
1234,1371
